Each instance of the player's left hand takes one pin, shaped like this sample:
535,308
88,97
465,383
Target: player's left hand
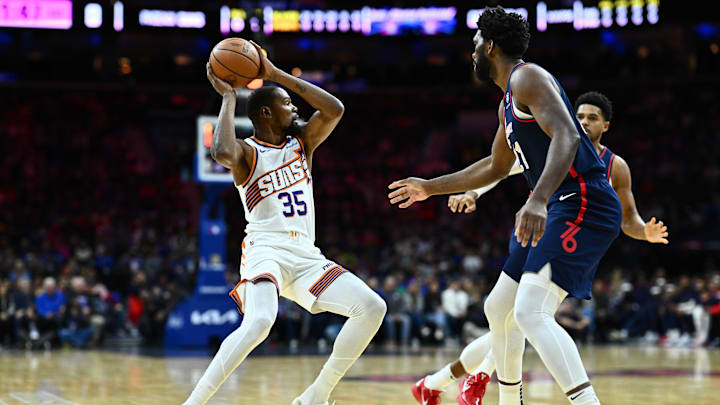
221,86
267,69
411,190
530,222
464,202
656,231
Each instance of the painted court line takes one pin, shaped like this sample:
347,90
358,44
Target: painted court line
18,397
545,376
51,395
38,397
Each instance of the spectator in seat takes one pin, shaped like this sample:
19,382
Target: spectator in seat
398,307
602,322
433,307
25,321
7,313
455,302
573,320
76,329
415,310
50,307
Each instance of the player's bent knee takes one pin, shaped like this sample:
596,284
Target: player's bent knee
528,319
490,310
377,308
261,324
524,317
495,311
371,306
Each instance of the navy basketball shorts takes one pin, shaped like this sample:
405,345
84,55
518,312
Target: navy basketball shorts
584,218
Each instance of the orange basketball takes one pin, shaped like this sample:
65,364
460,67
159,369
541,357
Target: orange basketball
236,61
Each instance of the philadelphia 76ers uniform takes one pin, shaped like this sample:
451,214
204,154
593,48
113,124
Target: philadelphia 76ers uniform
608,157
584,214
280,236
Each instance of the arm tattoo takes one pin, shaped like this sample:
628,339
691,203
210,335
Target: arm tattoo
301,88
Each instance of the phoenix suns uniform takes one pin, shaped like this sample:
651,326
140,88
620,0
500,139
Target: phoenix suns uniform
280,236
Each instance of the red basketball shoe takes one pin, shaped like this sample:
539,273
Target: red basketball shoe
472,389
424,395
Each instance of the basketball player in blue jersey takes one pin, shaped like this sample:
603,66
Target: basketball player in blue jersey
272,172
569,221
594,111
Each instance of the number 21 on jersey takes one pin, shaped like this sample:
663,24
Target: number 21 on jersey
516,148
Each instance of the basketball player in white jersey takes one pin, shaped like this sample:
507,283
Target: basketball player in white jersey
272,172
594,111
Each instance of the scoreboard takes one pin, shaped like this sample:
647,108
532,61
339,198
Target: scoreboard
53,14
366,20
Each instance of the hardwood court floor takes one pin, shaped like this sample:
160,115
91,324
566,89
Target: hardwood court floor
621,375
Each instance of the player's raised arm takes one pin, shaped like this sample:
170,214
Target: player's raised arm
225,149
329,108
536,89
481,173
632,223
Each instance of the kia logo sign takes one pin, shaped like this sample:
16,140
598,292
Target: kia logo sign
214,317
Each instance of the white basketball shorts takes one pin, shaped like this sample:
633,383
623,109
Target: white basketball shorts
291,261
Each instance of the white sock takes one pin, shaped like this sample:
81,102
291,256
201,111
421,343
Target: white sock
487,366
261,305
440,379
476,353
351,297
585,396
510,394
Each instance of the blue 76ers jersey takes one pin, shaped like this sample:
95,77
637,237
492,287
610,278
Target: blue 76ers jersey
608,157
530,143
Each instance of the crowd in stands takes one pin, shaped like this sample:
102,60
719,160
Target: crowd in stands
98,213
74,311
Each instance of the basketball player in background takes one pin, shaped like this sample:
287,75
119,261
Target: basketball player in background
569,220
272,172
594,111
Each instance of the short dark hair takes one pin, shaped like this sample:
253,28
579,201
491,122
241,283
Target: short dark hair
509,30
597,99
264,96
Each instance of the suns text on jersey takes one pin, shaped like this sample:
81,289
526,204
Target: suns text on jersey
282,177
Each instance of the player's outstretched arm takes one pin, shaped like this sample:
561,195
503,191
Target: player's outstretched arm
632,223
481,173
466,202
329,108
535,88
225,149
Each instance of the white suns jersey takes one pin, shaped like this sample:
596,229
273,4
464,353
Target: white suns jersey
278,194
